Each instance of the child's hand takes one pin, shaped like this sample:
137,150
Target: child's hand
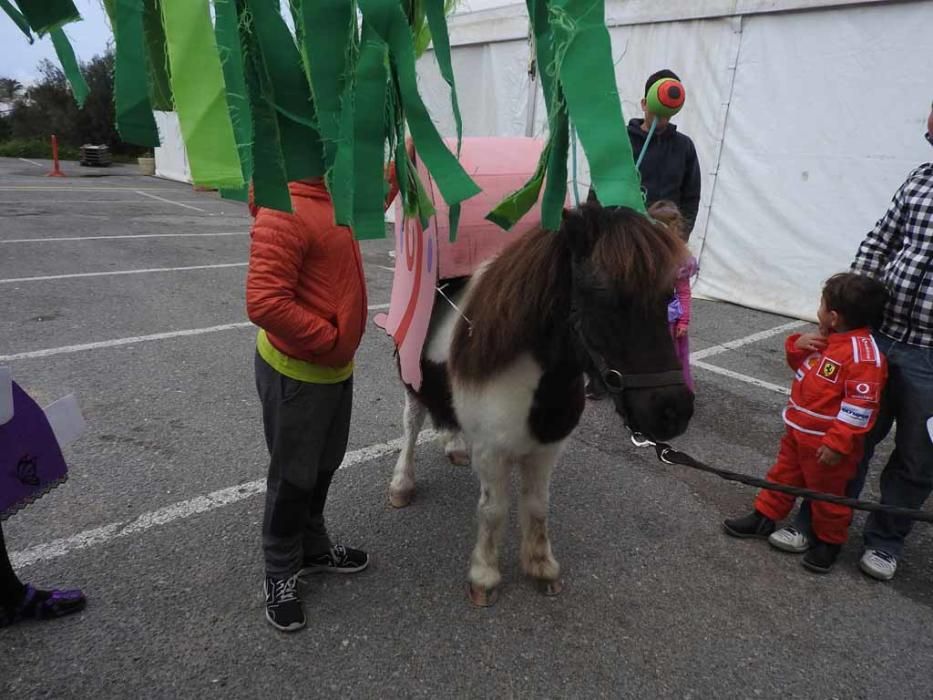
814,342
828,456
680,330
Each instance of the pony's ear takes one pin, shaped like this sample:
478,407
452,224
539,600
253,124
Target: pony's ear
577,229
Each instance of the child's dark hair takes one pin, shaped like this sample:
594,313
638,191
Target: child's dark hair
657,75
860,300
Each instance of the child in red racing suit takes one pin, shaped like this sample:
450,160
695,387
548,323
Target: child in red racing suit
834,401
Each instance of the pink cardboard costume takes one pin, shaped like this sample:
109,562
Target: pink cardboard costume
423,258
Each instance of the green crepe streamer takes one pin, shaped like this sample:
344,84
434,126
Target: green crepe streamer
390,23
508,212
437,23
288,92
270,185
340,182
135,121
516,205
45,15
368,150
555,187
66,56
160,87
17,18
198,87
585,69
231,60
326,31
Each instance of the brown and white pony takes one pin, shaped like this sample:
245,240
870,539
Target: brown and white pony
507,365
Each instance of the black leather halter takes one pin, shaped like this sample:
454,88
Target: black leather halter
615,381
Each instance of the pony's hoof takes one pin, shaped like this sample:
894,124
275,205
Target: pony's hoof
551,588
459,458
400,499
482,597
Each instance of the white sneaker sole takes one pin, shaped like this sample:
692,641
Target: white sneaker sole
875,573
785,546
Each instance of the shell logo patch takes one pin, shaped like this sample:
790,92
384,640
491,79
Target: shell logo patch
829,370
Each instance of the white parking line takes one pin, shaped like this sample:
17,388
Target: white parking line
73,188
32,162
61,239
741,377
183,509
747,340
133,340
169,201
75,275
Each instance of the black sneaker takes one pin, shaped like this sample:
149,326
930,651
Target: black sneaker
283,606
339,560
752,525
43,605
821,557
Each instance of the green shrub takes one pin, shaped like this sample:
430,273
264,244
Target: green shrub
35,148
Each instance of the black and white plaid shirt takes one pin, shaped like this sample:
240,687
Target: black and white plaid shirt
899,252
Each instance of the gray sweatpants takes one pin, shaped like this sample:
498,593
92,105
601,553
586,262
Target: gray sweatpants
307,427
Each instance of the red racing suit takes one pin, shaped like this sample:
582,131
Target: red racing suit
834,402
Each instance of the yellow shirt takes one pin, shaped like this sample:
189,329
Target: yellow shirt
300,370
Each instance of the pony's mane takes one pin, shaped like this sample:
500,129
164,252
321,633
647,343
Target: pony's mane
636,256
523,296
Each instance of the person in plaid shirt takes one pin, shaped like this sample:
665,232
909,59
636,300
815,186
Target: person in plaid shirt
899,252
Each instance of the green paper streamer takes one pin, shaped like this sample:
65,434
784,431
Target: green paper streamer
508,212
555,187
516,205
135,121
288,91
368,151
231,61
390,23
17,18
45,15
585,68
327,36
437,23
160,87
197,84
72,70
270,185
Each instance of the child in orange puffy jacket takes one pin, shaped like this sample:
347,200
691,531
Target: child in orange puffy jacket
840,374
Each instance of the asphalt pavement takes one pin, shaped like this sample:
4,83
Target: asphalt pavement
128,291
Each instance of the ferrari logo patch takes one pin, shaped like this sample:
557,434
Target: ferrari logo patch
829,370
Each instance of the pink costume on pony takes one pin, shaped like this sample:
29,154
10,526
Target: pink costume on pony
678,316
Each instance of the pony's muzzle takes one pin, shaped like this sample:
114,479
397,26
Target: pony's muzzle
662,413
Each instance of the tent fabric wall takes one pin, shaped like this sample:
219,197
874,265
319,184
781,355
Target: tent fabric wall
826,120
171,158
805,122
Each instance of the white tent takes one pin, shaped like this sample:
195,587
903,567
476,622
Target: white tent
806,114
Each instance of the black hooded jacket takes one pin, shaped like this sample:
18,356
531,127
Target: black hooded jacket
670,169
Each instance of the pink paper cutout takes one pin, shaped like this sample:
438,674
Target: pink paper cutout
423,257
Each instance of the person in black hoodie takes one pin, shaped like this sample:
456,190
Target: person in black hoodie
670,169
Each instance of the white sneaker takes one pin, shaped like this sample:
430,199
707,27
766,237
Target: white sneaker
790,539
878,564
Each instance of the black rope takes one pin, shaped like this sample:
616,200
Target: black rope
669,455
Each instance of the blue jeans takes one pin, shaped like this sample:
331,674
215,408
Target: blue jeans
907,479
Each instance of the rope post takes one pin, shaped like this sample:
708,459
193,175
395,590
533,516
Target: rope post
56,170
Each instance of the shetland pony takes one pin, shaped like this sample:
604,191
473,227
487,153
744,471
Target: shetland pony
505,358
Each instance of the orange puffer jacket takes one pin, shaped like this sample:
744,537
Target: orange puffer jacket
305,286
